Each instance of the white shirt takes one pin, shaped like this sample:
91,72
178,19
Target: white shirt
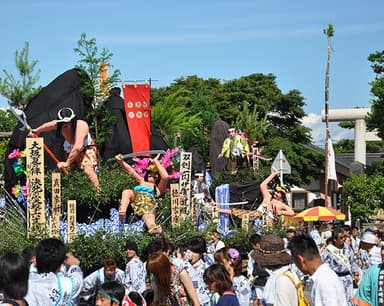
327,288
250,264
55,289
219,245
94,280
135,276
314,233
375,256
279,290
242,289
355,242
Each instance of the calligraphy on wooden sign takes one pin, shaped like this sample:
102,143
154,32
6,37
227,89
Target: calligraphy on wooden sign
71,234
56,205
35,183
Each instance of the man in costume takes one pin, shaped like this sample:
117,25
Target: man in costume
200,189
201,196
78,145
235,149
274,204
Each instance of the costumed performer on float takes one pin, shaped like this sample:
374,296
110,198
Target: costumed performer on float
235,149
274,203
143,196
79,146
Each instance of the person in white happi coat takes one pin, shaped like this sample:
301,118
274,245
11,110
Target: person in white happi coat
50,285
108,273
135,272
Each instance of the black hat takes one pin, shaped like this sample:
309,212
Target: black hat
131,245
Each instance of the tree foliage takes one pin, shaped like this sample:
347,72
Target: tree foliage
254,104
91,60
20,90
329,31
7,121
172,117
375,118
7,124
365,194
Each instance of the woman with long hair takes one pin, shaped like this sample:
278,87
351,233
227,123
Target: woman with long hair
230,258
170,283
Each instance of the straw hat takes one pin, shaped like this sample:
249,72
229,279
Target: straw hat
271,252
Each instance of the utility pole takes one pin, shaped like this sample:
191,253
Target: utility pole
329,32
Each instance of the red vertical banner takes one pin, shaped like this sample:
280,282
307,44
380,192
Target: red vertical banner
138,112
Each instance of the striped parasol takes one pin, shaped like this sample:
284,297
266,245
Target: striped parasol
320,213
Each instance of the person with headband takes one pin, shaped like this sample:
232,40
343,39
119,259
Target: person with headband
235,149
78,145
110,294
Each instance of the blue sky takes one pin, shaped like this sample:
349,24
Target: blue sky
166,40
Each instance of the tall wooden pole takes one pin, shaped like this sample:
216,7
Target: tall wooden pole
329,32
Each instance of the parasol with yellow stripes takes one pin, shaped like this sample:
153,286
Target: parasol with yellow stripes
320,213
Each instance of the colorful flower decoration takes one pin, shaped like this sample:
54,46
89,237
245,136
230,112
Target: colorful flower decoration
142,165
243,135
16,153
19,167
233,253
255,144
19,192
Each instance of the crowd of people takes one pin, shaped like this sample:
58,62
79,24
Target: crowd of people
330,264
326,265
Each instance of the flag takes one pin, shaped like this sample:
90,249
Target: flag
138,113
331,162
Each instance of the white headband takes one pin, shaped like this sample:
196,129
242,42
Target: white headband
65,119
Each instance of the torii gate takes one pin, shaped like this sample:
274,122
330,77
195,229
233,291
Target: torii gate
361,135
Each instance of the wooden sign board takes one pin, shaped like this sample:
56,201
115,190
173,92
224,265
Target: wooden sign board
71,234
175,205
35,182
56,205
185,184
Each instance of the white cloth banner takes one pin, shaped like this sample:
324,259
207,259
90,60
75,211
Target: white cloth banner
331,162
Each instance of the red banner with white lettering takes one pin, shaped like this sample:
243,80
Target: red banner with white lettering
138,112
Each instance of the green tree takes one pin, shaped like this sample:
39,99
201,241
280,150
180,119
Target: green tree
7,121
365,195
91,60
254,127
344,146
253,104
171,117
375,118
257,90
281,116
208,115
7,124
20,90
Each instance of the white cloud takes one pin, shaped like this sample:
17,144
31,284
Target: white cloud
314,122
